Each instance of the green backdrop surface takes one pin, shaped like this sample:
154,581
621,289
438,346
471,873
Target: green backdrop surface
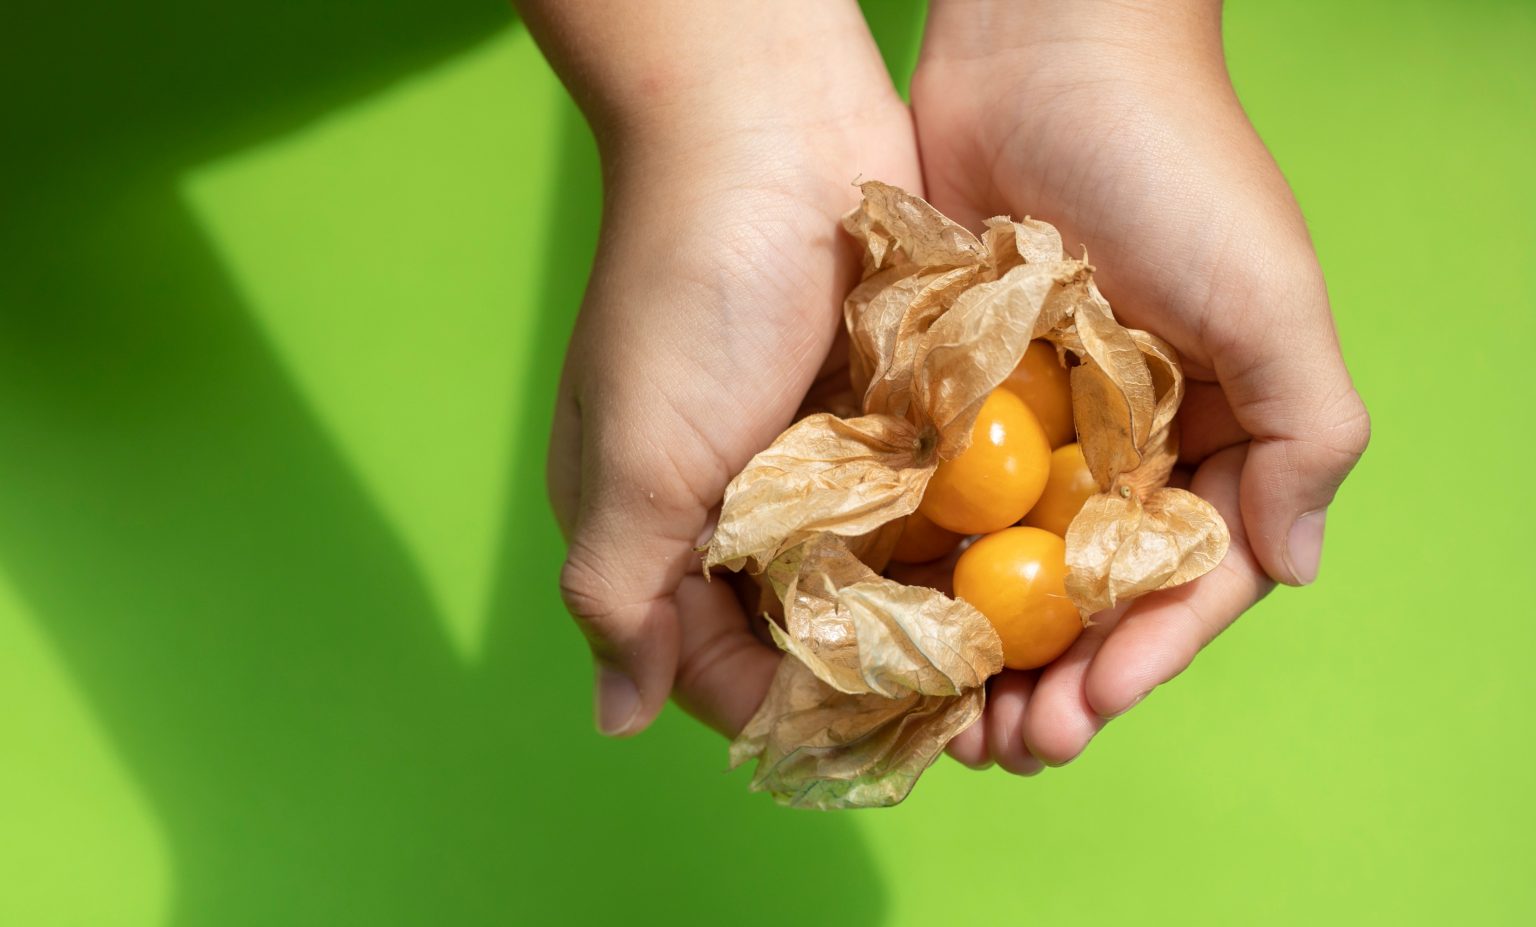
282,298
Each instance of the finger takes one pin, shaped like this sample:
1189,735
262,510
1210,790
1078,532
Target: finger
631,544
1004,720
633,634
1161,632
1059,723
723,669
969,747
1288,387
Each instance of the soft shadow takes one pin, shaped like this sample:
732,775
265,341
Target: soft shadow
255,640
653,819
120,89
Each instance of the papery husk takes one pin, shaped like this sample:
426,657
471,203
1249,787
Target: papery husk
860,632
878,676
970,350
888,332
1139,535
848,476
817,747
1120,547
824,475
895,226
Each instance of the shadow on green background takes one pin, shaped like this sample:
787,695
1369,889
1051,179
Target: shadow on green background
244,689
238,613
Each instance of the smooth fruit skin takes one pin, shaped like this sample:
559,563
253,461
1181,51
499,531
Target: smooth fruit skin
1066,489
1017,579
922,541
998,478
1046,387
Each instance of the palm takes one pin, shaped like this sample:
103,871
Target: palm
1170,212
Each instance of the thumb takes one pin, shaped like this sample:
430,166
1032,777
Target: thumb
1290,390
631,543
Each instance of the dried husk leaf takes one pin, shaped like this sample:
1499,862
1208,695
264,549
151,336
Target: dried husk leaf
860,632
1103,419
1113,400
1120,546
887,332
1109,344
1137,536
973,347
1026,241
866,345
1167,378
1157,461
824,474
817,747
892,219
1161,450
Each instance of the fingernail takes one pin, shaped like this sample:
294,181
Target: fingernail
1134,702
1304,547
617,701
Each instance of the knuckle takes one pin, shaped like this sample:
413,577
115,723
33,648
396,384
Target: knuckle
585,588
612,616
1354,425
1342,433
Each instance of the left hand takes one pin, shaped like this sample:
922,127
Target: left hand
728,134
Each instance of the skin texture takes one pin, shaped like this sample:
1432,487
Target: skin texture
729,134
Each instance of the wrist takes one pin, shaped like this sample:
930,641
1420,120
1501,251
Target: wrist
1162,43
687,73
990,66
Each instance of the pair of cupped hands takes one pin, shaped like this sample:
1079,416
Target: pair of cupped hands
730,135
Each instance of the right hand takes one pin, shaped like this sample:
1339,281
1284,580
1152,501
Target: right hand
1118,123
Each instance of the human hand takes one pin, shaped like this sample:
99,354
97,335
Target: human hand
1119,125
728,151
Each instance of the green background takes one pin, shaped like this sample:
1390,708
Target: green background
283,290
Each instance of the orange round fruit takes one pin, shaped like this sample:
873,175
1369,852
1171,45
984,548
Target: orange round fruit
1017,579
1066,489
921,541
998,478
1046,387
